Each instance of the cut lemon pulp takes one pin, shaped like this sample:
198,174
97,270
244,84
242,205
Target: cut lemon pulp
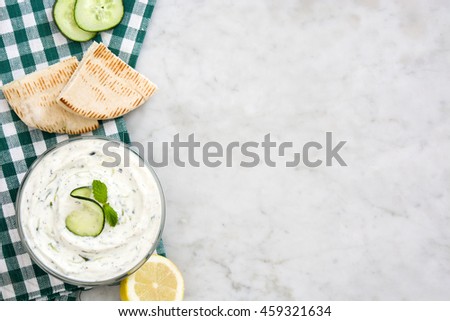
157,280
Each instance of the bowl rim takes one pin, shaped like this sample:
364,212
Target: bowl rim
64,278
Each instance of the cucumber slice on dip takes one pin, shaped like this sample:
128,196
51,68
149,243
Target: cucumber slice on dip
64,16
98,15
83,193
88,221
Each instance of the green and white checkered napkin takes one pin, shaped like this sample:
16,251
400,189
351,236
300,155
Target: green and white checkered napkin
29,41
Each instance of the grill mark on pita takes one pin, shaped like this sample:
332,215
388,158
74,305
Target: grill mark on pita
50,129
120,112
8,93
18,112
100,97
95,69
136,103
68,105
151,91
28,88
103,75
96,115
41,85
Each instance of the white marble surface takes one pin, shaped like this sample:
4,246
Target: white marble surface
375,73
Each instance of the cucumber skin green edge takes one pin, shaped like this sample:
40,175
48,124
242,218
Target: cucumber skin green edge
81,197
56,23
89,200
101,230
121,18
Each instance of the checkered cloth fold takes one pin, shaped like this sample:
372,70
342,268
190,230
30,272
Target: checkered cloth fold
29,41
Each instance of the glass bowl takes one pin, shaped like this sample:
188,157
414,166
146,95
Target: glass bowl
35,257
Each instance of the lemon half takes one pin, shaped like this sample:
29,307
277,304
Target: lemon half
157,280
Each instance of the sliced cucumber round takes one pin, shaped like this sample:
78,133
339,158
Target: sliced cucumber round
87,221
83,193
98,15
64,16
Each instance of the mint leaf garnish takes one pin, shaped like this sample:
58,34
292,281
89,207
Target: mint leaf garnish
110,215
100,191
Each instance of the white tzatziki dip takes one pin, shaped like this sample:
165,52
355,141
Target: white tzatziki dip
45,202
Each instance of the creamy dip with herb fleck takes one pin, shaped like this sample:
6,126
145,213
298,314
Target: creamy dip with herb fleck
45,203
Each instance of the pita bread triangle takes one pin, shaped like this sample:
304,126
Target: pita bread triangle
33,98
104,86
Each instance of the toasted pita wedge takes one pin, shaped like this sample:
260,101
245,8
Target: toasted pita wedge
104,87
33,98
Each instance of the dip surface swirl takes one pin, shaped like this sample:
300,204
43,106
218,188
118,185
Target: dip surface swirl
45,203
